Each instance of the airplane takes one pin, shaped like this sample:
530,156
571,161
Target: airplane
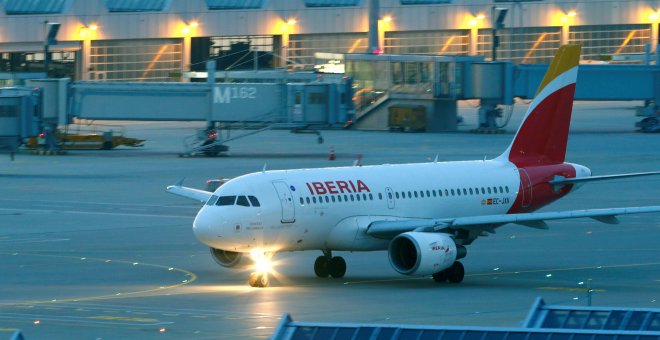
423,214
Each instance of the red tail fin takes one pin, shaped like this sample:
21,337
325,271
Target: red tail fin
543,134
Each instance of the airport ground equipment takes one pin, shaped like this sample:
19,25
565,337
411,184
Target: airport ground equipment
87,137
543,322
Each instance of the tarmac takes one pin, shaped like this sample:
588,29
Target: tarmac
92,247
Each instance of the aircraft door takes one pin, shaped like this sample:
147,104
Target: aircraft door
390,197
526,187
286,201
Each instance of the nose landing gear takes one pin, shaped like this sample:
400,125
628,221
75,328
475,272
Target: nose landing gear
263,267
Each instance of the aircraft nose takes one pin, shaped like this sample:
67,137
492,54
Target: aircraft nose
203,227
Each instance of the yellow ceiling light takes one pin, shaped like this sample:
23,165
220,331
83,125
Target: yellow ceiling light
291,21
387,18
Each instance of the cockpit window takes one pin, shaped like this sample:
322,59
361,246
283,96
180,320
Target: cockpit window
226,200
254,201
243,201
212,200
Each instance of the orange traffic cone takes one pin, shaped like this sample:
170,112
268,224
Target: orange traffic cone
331,156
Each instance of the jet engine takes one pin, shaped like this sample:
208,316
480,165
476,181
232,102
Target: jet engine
423,253
226,258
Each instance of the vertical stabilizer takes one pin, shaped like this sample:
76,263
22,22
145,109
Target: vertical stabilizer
543,134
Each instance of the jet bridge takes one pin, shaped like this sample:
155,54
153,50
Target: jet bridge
383,82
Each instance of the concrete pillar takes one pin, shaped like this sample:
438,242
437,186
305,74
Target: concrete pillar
564,38
85,59
284,50
374,15
654,37
473,40
186,51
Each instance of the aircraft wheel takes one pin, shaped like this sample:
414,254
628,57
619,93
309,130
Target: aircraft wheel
321,267
440,276
337,267
259,280
456,272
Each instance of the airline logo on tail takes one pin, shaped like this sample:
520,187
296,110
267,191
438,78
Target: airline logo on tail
542,137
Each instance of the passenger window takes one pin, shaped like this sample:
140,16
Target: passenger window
447,192
452,192
433,193
389,195
308,200
409,194
254,201
357,196
371,197
226,200
333,199
380,196
464,191
415,194
488,190
483,191
471,191
339,198
507,189
327,200
242,201
212,200
428,194
501,190
301,201
345,198
396,194
352,198
458,192
314,199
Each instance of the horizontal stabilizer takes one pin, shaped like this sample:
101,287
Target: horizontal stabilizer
560,181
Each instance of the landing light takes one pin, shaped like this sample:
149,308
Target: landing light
262,262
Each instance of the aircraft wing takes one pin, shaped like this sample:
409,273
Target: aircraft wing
389,229
195,194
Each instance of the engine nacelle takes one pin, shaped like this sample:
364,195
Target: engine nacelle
422,253
226,258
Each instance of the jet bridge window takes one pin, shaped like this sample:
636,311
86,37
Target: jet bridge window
226,200
212,200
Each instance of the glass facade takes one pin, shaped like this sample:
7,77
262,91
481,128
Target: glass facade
600,42
303,46
62,63
452,42
524,45
136,60
236,52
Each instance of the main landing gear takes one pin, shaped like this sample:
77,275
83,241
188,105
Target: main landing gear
453,274
259,280
327,265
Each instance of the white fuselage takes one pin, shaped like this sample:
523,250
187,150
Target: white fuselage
330,208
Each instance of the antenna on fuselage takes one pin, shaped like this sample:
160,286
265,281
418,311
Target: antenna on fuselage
263,170
436,158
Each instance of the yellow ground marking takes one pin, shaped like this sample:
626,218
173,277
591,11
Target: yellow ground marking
192,277
569,289
121,318
8,329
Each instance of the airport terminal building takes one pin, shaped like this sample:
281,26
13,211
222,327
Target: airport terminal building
161,40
